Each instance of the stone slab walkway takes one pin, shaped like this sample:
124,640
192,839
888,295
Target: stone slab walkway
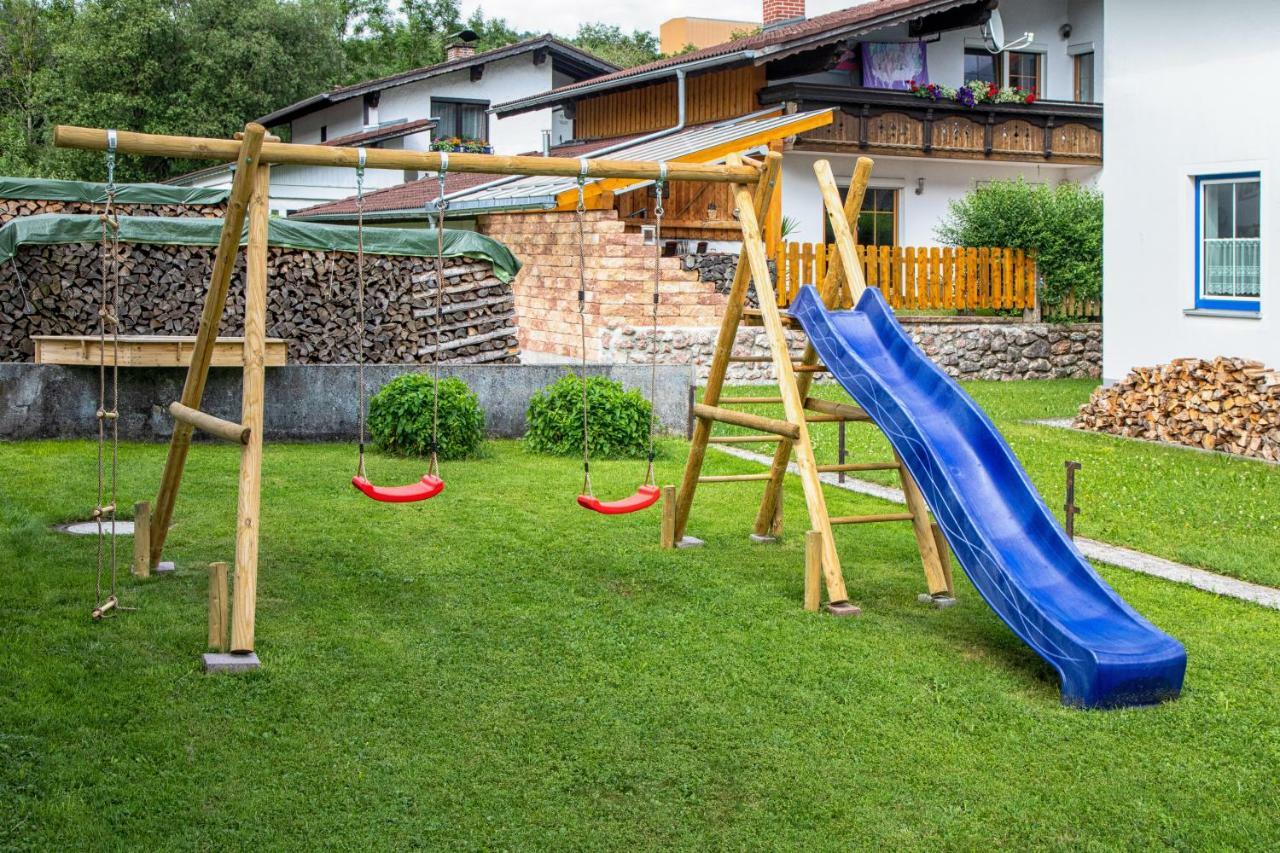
1112,555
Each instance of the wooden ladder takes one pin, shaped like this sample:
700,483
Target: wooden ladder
844,281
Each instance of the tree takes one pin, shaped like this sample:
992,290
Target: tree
1062,225
610,43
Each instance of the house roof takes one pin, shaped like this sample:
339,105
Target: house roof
761,47
570,59
414,196
383,133
706,143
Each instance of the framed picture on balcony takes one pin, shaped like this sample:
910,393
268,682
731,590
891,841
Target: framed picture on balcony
893,65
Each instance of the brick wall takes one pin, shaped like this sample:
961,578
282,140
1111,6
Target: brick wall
619,269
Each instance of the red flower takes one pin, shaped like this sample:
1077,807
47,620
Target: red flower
1031,99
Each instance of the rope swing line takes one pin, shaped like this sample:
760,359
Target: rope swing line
433,469
430,484
648,492
108,315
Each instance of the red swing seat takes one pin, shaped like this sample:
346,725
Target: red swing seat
645,496
428,487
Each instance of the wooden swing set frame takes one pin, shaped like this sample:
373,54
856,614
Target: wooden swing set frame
753,183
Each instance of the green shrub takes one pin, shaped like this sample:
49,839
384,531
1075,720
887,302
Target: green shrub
400,417
1062,225
619,419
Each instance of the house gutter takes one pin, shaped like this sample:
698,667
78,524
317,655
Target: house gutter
681,119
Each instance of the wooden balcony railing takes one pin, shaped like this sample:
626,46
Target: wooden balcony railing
878,121
921,278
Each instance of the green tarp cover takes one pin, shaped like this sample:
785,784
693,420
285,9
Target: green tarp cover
53,228
41,189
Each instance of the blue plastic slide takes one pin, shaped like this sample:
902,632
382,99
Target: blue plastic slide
1010,545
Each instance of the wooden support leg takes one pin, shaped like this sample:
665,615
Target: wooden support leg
944,554
934,574
218,606
251,416
724,348
207,334
142,539
668,516
830,288
792,402
812,570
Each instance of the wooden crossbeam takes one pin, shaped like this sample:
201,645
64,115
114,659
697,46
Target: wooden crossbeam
746,419
205,422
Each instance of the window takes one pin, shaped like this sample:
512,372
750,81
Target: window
1024,71
370,108
1229,242
463,119
324,133
878,221
1084,78
980,64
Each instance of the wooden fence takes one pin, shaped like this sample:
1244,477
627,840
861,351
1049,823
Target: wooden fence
921,278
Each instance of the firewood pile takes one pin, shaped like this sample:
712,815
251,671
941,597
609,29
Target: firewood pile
54,290
1226,404
12,208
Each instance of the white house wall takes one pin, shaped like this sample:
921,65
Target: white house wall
1183,100
918,215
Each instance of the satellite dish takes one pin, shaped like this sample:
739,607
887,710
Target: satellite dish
993,34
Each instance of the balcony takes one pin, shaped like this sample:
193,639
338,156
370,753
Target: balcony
891,123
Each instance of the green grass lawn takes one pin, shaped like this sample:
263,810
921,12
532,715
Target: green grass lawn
497,668
1205,509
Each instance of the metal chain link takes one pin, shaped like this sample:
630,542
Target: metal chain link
441,205
658,212
582,323
360,414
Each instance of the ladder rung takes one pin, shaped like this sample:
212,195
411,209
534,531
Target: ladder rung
754,317
735,439
750,401
811,368
841,411
745,419
825,419
858,466
734,478
872,519
750,359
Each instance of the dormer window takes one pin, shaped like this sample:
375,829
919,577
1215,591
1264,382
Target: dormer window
371,109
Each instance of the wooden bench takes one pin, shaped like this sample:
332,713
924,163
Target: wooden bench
148,350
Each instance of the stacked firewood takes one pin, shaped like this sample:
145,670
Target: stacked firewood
1226,404
12,208
312,302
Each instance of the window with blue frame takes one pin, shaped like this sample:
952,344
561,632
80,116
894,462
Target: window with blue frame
1229,241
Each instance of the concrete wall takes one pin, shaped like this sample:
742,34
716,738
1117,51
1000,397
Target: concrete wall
303,402
1180,104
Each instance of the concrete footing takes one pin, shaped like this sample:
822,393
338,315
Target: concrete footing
165,567
843,608
939,601
218,662
690,542
764,539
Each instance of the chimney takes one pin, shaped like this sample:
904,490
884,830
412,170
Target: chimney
779,13
459,50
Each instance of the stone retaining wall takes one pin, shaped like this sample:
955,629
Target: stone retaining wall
966,349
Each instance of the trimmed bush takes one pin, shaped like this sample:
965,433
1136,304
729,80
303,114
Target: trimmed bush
400,417
1061,224
619,419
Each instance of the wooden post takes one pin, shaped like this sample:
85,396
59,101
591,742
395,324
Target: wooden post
830,288
934,574
668,517
812,570
792,401
944,554
218,606
206,336
724,348
255,332
142,539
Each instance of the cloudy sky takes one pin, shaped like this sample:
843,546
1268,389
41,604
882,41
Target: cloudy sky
563,18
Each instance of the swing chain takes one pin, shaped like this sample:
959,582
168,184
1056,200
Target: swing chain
441,206
108,315
658,212
582,322
360,413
